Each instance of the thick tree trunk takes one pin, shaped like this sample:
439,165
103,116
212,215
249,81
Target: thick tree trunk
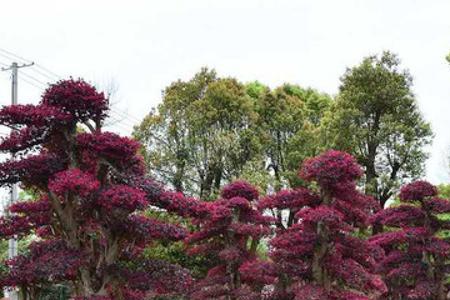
206,185
319,273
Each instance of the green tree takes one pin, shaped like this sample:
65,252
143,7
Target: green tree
289,118
202,135
444,191
376,118
209,130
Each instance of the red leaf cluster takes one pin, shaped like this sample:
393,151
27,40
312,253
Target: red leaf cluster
78,98
417,191
318,257
414,258
92,196
73,181
331,169
229,230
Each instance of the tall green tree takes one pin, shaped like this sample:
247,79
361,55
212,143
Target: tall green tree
202,135
209,130
289,118
376,118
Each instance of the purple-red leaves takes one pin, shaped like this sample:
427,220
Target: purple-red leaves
33,115
259,272
404,215
292,199
318,253
32,170
73,181
47,261
240,189
145,228
437,205
78,98
121,151
417,191
331,169
93,194
108,145
414,261
122,197
324,214
229,230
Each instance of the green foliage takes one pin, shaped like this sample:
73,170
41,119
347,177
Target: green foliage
444,191
3,251
175,252
256,89
289,119
209,131
376,119
55,292
201,135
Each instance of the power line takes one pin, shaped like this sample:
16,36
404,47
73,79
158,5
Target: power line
15,56
49,72
127,115
34,79
123,118
39,87
37,67
51,78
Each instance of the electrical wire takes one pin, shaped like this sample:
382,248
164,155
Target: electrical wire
39,87
33,78
127,115
15,56
58,77
121,116
38,71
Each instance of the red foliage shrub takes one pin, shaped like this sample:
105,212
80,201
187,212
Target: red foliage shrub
78,98
318,256
417,191
331,169
414,258
229,230
240,189
92,194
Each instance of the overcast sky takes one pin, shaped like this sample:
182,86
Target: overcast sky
144,45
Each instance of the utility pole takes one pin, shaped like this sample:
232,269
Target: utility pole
12,243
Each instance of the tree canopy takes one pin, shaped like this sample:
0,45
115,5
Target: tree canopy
376,118
209,130
229,191
91,192
202,134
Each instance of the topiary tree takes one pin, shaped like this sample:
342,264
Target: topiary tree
414,261
229,230
321,256
88,221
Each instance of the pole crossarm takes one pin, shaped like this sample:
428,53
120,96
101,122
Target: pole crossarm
16,65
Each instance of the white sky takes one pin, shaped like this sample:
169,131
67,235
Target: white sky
145,45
